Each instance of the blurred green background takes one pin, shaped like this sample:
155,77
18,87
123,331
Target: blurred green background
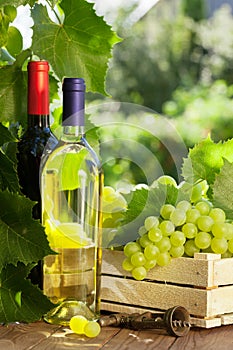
177,61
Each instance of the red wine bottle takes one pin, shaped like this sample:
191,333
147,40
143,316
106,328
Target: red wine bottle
32,144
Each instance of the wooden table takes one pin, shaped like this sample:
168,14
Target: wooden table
42,336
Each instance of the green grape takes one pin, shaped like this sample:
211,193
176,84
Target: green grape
192,215
220,230
150,222
177,252
109,223
205,223
203,240
149,264
112,201
226,255
219,245
139,273
229,233
151,251
230,245
144,240
164,244
142,230
190,248
138,259
218,215
92,329
189,230
196,193
167,180
77,324
130,248
207,250
167,227
177,238
178,217
155,235
127,265
163,259
204,186
203,206
166,211
184,205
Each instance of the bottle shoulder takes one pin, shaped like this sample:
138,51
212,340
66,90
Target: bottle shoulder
34,141
76,151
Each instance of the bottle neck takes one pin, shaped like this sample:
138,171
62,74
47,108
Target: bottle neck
73,103
73,133
38,120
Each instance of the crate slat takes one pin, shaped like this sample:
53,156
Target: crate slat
181,270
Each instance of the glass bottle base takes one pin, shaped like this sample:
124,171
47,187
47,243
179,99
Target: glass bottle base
62,313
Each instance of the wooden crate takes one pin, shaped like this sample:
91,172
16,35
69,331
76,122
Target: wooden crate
203,285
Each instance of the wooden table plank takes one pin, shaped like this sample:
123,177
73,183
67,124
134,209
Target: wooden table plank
24,336
140,340
64,338
219,338
42,336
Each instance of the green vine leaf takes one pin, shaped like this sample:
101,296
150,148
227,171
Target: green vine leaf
206,159
8,175
223,189
81,46
13,90
16,2
19,300
22,239
6,135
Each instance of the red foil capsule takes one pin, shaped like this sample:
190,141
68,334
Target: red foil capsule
38,88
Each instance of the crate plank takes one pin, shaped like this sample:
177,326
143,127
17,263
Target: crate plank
148,294
205,270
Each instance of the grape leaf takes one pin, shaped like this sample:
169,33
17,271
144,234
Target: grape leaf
13,90
16,2
223,189
19,299
81,46
21,237
4,24
8,174
206,159
5,135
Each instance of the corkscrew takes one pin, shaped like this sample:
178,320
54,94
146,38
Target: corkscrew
175,320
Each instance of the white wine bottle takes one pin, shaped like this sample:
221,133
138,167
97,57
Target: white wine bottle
71,187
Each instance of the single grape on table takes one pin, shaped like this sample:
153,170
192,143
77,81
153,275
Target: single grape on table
82,326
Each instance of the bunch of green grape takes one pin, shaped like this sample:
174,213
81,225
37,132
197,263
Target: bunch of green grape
180,230
113,207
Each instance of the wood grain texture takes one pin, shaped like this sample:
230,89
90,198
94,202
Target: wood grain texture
206,339
154,295
25,336
42,336
205,270
140,340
